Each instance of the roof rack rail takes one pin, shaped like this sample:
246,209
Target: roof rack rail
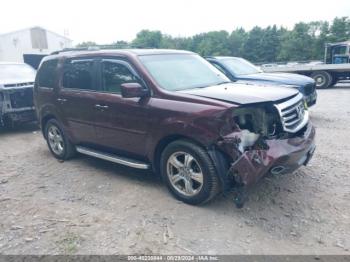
90,48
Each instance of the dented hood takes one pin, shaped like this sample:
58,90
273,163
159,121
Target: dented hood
279,78
243,93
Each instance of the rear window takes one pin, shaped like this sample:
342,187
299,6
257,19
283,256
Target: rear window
47,74
78,74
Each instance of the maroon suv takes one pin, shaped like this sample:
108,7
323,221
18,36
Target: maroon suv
173,112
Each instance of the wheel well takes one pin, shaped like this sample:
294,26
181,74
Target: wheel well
220,159
44,120
163,144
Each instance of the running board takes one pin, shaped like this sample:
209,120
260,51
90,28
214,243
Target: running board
112,158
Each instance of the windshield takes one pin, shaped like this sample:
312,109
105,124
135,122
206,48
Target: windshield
182,71
16,71
340,50
240,66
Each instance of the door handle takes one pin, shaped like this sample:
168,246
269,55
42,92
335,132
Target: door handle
102,107
61,100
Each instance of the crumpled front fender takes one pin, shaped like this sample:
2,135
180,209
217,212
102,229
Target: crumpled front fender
286,155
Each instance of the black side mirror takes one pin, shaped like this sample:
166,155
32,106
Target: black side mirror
130,90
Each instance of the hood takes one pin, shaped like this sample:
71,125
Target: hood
11,81
279,78
243,93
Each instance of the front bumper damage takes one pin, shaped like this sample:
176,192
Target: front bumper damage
16,106
272,155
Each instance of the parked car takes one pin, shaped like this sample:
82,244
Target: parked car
237,68
16,93
174,112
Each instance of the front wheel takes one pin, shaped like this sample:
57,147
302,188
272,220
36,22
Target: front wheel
189,172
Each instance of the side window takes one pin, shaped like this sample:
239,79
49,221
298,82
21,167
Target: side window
114,74
219,67
77,74
47,74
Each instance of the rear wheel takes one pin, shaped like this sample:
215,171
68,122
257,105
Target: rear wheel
189,172
323,79
58,142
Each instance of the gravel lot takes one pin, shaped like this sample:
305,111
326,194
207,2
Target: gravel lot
89,206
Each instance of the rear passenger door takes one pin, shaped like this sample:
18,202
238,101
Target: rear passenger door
76,98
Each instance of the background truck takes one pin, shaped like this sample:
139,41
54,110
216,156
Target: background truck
335,67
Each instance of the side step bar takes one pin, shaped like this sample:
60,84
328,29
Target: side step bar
112,158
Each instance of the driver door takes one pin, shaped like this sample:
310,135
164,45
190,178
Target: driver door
122,123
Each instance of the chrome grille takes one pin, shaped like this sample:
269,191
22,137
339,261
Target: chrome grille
20,84
293,114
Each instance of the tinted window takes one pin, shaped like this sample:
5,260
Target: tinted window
340,50
218,67
240,66
114,74
47,74
78,74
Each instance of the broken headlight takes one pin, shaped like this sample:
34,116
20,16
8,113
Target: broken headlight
261,120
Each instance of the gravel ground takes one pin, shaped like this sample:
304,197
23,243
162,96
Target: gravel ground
89,206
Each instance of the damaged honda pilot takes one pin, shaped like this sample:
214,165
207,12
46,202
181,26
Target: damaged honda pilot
175,113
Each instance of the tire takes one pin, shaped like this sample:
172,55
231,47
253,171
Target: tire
66,150
334,81
323,79
8,123
188,175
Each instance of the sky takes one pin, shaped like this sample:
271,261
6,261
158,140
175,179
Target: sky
106,21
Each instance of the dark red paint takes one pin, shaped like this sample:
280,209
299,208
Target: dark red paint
142,126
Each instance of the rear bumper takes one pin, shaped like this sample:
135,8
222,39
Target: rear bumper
282,156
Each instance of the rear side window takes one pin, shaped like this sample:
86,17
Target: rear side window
114,74
77,74
47,74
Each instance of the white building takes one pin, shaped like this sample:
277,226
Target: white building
30,45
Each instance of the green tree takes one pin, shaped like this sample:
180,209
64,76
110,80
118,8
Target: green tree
86,44
304,42
121,44
236,42
214,43
320,32
297,44
252,46
148,39
340,29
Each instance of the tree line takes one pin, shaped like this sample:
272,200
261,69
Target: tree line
305,41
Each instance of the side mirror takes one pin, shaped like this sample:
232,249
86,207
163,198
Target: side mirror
130,90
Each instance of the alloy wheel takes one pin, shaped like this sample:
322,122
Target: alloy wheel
55,140
184,173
